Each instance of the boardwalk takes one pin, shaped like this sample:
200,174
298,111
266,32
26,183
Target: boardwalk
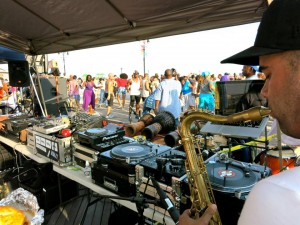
118,113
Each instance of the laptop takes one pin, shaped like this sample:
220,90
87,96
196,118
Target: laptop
238,130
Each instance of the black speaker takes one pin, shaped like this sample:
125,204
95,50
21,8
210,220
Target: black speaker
18,73
55,93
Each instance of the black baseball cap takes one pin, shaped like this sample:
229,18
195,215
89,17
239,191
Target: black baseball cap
278,31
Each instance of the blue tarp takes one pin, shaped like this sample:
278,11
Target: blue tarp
7,54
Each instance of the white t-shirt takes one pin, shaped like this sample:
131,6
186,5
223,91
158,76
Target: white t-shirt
254,77
285,139
135,87
274,200
167,93
11,102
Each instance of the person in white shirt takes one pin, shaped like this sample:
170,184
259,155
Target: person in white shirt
167,96
249,72
134,87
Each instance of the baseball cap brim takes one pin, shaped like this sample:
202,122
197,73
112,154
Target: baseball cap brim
250,56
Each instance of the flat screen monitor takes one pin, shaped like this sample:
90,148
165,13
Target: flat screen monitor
229,94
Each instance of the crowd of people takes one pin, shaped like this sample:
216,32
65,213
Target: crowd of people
197,91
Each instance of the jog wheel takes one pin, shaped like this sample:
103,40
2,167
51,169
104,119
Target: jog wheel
95,132
131,152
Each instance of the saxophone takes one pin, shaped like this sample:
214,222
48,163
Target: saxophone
199,184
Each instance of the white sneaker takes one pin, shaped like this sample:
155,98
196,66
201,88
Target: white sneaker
109,116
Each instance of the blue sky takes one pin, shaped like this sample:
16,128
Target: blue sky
195,52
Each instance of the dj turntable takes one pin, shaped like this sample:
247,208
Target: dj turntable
104,138
115,168
234,177
231,179
231,182
14,125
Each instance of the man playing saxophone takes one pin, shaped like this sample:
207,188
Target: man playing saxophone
274,200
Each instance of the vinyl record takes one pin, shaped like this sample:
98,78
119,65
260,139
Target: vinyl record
132,151
95,132
231,179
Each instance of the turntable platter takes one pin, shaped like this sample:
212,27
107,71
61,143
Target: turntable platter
231,179
95,132
134,151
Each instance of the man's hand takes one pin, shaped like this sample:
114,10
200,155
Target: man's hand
2,126
185,218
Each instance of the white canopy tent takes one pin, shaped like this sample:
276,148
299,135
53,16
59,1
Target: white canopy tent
40,27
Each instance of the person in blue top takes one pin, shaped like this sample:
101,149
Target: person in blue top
187,95
149,103
206,88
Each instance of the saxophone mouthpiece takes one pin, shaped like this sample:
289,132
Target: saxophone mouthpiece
264,111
